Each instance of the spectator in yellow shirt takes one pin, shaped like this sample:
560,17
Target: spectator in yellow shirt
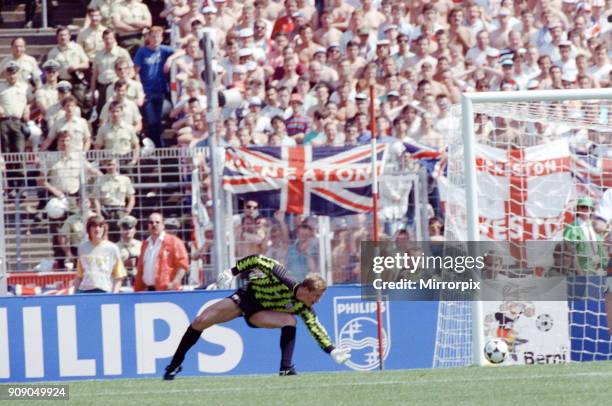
99,267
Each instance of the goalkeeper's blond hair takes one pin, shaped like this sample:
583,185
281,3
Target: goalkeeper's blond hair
314,281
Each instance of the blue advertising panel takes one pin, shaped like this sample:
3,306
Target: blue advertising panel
105,336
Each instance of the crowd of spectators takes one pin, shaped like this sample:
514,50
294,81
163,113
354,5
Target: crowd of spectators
304,71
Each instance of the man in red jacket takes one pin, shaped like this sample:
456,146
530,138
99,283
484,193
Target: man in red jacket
163,259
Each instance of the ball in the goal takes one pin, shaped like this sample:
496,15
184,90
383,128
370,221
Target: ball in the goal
544,322
496,350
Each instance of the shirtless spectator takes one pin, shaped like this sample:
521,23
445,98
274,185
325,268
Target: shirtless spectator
251,233
278,238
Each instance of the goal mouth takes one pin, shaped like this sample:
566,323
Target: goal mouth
524,167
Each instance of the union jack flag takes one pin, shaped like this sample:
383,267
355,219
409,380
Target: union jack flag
419,150
330,181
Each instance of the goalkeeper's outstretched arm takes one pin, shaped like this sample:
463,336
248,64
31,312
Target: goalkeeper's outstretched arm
309,292
318,332
316,329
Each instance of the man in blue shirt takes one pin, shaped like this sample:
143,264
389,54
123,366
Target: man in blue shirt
151,64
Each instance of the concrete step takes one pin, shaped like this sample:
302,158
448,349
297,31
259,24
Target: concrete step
70,4
33,233
37,51
28,229
24,236
25,265
36,36
60,13
28,246
40,253
32,256
19,22
33,49
26,221
29,238
28,199
65,14
13,16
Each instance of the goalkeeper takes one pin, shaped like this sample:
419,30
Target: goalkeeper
269,300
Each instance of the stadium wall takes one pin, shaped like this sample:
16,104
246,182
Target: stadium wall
106,336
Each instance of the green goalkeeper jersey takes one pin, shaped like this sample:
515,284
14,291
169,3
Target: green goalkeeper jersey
274,289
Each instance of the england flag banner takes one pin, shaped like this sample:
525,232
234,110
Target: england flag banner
330,181
535,185
524,194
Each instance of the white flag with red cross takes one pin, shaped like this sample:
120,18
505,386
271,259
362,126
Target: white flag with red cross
524,194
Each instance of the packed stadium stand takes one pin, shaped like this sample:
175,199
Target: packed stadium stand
122,80
40,41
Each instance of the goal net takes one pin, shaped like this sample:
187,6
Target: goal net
518,163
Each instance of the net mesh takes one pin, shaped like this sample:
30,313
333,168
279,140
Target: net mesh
533,161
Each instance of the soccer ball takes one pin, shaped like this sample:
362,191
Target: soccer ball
496,350
544,322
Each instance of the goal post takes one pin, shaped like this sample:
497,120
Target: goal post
517,123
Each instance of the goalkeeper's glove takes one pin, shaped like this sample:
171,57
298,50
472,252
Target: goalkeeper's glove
341,355
224,278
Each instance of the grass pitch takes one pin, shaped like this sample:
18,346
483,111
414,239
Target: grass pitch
570,384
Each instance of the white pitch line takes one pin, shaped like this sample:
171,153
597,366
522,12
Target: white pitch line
418,382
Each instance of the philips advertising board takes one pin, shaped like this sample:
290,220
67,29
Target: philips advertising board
106,336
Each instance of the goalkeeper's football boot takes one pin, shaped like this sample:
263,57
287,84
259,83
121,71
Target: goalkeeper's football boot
171,372
287,371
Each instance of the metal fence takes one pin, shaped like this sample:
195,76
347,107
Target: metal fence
41,236
35,237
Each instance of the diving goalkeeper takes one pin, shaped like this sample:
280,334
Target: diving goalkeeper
269,300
